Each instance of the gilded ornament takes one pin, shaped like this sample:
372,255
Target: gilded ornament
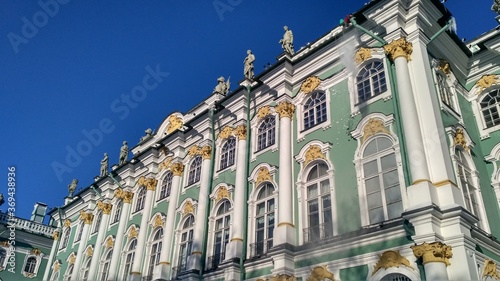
89,252
313,152
206,152
241,132
194,150
225,133
399,48
158,221
444,66
149,183
261,279
490,270
486,81
132,233
459,139
188,208
320,273
5,243
177,169
36,251
310,84
263,175
55,235
285,109
174,123
67,223
362,55
165,164
86,217
391,259
373,127
110,242
56,266
164,150
263,112
104,207
433,252
222,193
72,258
283,277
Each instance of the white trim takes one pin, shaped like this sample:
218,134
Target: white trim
255,124
452,84
475,96
494,158
299,102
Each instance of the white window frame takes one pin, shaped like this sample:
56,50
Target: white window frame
255,124
69,272
79,234
153,242
103,272
178,233
38,259
165,184
475,95
221,154
189,166
65,238
301,100
86,269
97,222
494,158
211,226
140,201
252,207
117,211
7,250
128,251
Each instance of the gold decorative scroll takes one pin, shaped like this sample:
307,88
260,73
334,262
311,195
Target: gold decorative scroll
56,266
320,273
399,48
225,133
283,277
444,66
285,109
391,259
241,132
362,55
222,193
263,112
72,258
126,196
67,223
313,152
459,139
487,81
373,127
165,164
188,208
36,251
110,242
177,169
194,150
174,123
263,175
490,270
433,252
149,183
104,207
86,217
206,151
89,252
158,221
310,84
55,235
132,232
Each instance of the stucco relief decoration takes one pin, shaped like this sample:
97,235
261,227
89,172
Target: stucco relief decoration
188,208
241,132
165,164
206,152
263,112
5,243
132,232
149,183
55,235
225,133
320,273
36,251
490,270
263,175
313,152
459,139
158,221
104,207
67,223
283,277
177,169
399,48
127,196
174,122
362,55
72,258
433,252
310,84
261,279
285,109
391,259
86,217
110,242
56,266
89,252
373,127
487,81
222,193
194,150
444,66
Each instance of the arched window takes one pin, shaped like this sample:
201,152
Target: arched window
195,170
118,211
65,240
129,258
315,110
166,185
30,265
319,204
266,135
466,182
85,270
55,276
154,256
221,235
186,243
3,257
444,90
105,266
69,271
97,222
228,153
395,277
371,81
80,231
381,181
141,199
264,221
490,108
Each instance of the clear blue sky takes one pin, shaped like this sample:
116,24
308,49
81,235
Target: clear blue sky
66,76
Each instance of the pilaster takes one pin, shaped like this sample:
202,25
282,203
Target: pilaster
105,208
87,219
126,197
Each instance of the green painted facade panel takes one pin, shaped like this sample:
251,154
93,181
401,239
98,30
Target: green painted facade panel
356,273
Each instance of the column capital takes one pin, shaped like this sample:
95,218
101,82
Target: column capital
55,235
104,207
177,169
86,217
206,152
149,183
399,48
285,109
241,132
126,196
433,252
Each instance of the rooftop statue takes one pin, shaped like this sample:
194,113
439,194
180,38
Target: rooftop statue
287,41
123,153
72,187
496,6
148,132
222,87
248,62
104,166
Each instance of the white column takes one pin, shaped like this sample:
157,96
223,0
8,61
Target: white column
419,193
126,197
285,231
150,184
235,246
194,261
53,250
94,264
162,271
87,218
435,257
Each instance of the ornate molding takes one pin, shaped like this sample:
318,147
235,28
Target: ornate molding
459,139
310,84
174,122
67,223
320,273
203,151
188,208
444,66
399,48
487,81
283,277
104,207
36,251
391,259
373,127
55,235
158,221
285,109
206,152
177,169
433,252
149,183
262,175
313,152
263,112
225,133
132,232
165,164
5,243
241,132
222,193
89,252
362,55
72,258
126,196
57,266
490,270
86,217
110,242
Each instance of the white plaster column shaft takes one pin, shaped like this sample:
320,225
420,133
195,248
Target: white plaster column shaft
48,268
94,264
87,218
117,250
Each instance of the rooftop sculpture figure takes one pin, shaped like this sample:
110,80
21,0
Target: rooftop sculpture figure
222,87
104,166
287,41
123,153
248,62
72,187
496,6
